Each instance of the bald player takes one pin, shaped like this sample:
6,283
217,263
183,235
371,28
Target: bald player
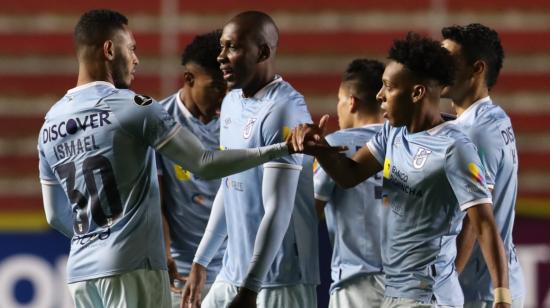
268,212
98,175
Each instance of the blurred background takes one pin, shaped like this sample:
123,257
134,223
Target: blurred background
318,39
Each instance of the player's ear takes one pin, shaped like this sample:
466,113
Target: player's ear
353,104
479,68
188,78
109,50
418,93
264,52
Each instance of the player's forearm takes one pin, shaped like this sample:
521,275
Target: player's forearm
465,244
491,245
214,234
343,170
279,186
185,149
57,209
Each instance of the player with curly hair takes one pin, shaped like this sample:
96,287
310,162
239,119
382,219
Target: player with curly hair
432,176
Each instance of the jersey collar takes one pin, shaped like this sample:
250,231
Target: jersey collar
89,85
186,113
472,108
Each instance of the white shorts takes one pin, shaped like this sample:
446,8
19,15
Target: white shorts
136,289
394,302
299,296
364,291
176,296
516,303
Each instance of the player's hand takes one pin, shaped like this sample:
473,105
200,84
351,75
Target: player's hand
174,276
310,139
245,299
191,295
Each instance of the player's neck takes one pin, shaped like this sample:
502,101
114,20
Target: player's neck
425,119
258,82
203,116
89,73
463,103
367,119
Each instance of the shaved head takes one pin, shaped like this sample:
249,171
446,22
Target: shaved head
259,27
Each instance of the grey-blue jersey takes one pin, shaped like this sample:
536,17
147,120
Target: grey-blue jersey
188,198
428,178
97,143
491,131
354,216
266,119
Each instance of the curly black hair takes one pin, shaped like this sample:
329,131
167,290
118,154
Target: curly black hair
97,26
204,51
424,57
478,42
364,77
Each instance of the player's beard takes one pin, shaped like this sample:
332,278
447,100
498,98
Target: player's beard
120,71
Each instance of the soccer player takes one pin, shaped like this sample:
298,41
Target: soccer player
268,212
187,198
431,176
98,174
478,56
354,215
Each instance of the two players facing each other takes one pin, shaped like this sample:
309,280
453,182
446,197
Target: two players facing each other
246,61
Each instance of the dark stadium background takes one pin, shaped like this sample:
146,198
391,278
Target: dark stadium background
318,39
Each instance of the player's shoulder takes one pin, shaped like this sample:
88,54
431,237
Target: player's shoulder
126,95
284,92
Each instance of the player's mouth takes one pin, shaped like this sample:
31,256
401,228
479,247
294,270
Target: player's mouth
383,107
227,73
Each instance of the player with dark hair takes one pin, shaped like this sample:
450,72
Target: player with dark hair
267,213
187,198
478,56
431,176
354,215
98,175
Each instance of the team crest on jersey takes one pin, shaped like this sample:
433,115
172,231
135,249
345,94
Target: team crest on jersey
248,127
142,100
420,158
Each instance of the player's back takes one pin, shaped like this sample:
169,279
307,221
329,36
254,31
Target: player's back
97,141
265,119
491,130
354,215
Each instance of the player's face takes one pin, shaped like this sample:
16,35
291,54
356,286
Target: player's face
238,57
396,94
463,81
125,59
343,107
207,89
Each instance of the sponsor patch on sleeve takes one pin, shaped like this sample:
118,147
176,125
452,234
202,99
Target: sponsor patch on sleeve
142,100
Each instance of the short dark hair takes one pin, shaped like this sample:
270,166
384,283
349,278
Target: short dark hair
204,51
424,57
478,42
96,26
364,77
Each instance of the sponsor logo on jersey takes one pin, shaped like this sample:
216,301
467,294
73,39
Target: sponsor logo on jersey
286,132
142,100
420,158
476,174
73,125
182,174
387,165
248,127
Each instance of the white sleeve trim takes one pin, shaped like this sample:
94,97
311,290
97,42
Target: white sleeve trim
491,186
468,205
169,137
375,153
48,182
282,166
321,197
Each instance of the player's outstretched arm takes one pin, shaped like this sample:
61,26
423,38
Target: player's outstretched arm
57,209
185,149
346,172
484,225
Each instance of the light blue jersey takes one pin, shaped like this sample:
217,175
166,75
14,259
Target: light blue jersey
491,131
265,119
428,178
188,198
354,216
97,143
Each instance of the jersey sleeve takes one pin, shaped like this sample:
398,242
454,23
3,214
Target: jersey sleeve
143,118
378,144
466,175
323,184
45,171
279,122
490,149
